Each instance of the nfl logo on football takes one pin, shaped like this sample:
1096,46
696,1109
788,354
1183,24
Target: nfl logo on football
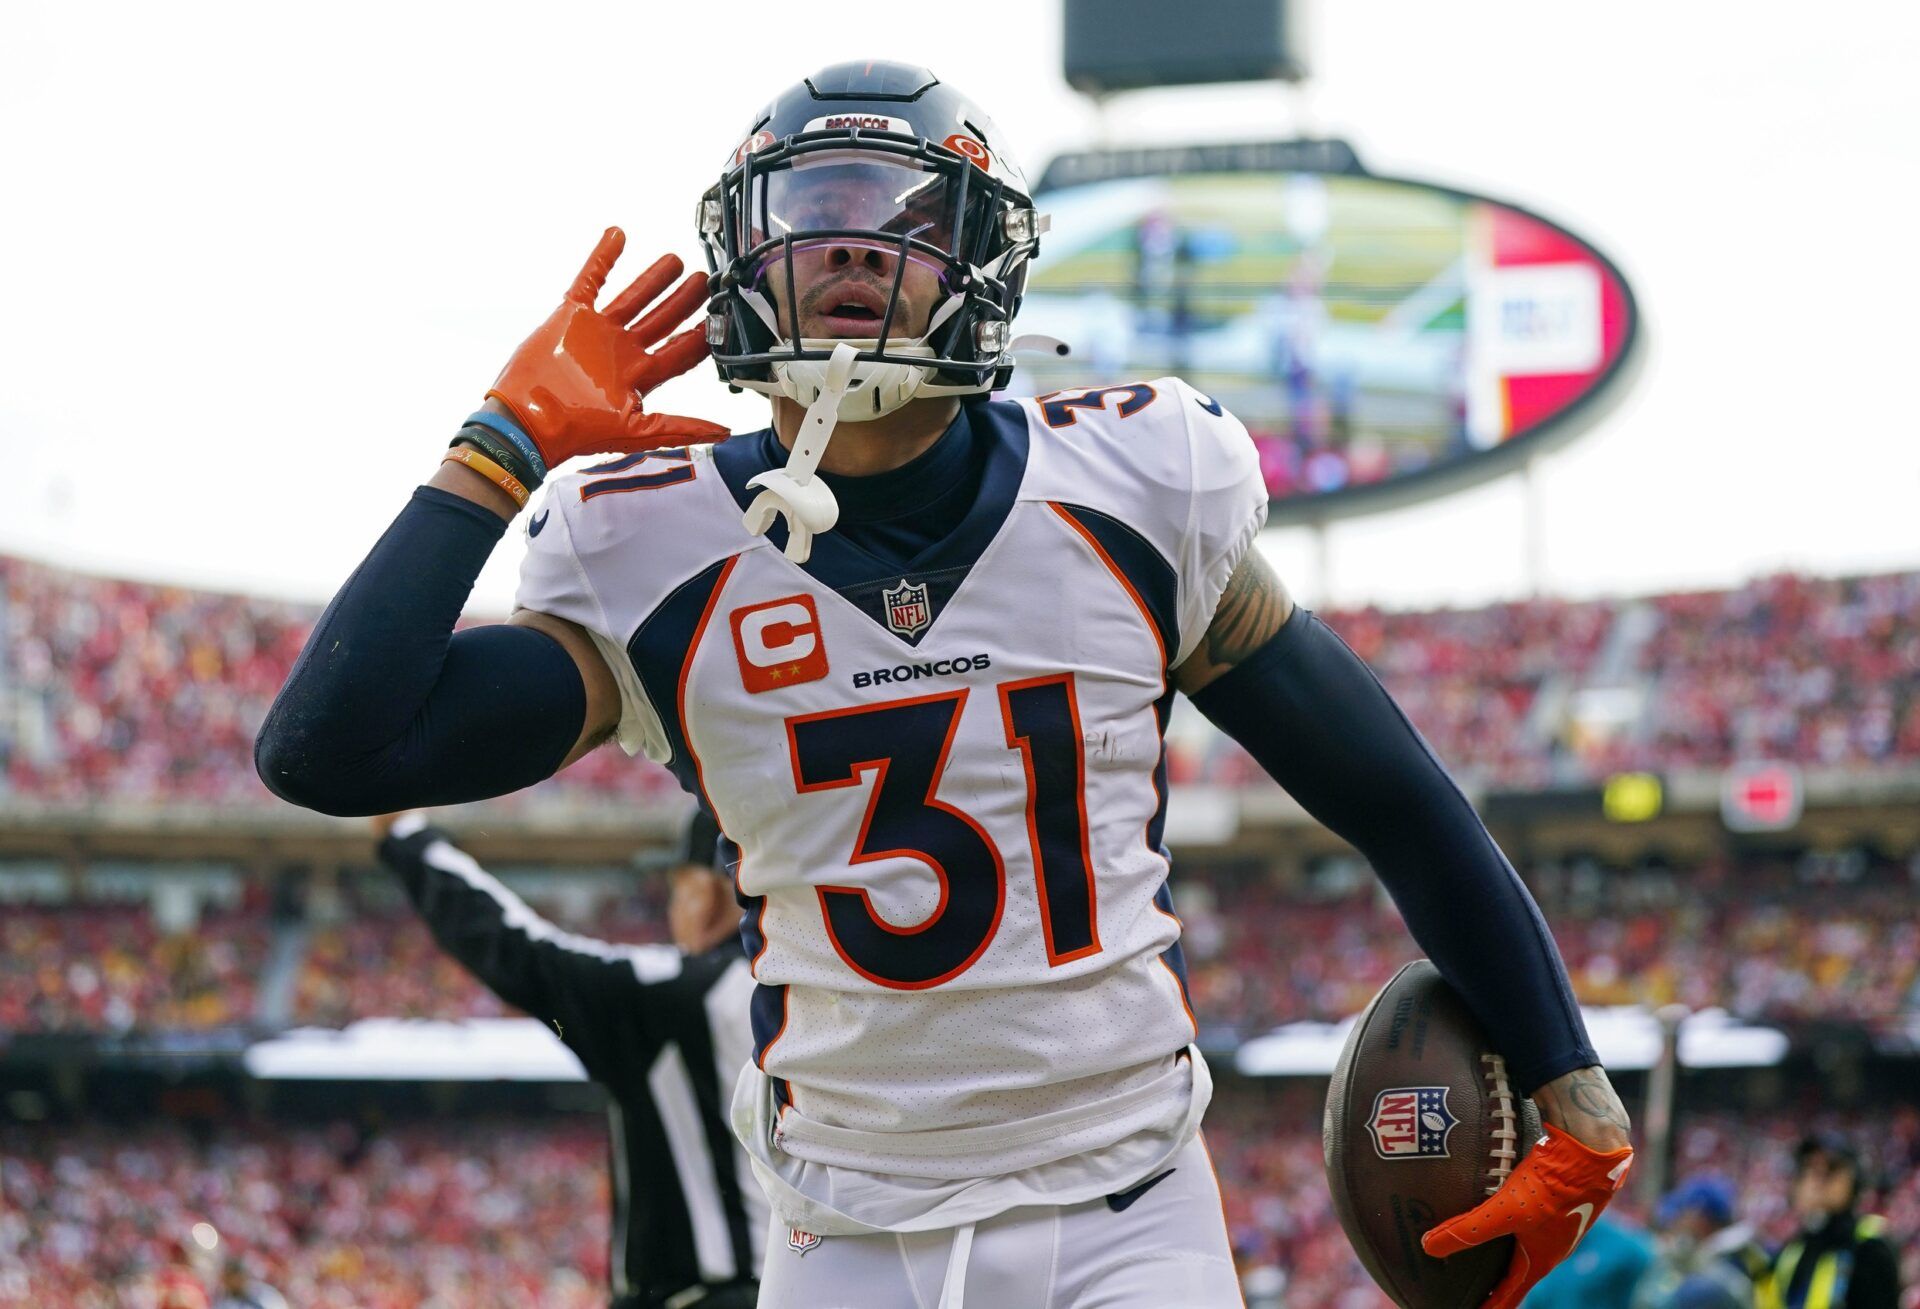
1411,1122
908,612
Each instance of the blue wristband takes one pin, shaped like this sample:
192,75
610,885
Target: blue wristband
512,431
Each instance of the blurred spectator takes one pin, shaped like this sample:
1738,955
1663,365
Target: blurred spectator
1840,1258
1603,1272
241,1288
1706,1259
1468,678
123,690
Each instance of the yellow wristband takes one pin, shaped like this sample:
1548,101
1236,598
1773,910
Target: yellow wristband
487,468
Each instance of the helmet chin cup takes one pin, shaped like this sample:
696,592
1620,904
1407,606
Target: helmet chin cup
878,390
793,491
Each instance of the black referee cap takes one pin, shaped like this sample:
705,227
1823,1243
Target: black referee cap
699,841
1833,1146
698,845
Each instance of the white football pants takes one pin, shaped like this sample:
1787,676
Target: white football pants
1162,1247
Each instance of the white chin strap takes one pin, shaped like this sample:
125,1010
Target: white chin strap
878,390
794,491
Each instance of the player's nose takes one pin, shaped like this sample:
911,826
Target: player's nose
844,255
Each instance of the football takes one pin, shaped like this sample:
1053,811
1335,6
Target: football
1421,1124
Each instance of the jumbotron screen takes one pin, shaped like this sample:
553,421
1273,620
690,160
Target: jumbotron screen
1380,338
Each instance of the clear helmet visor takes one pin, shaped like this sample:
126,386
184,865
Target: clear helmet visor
854,199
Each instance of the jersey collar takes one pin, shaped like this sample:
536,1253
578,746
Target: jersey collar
837,563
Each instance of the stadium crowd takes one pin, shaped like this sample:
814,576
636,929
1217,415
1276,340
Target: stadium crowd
514,1211
483,1214
382,962
1815,670
1825,937
108,970
115,690
133,692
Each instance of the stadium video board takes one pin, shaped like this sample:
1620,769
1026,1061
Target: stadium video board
1382,339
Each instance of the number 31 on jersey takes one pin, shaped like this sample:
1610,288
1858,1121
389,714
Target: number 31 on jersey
904,744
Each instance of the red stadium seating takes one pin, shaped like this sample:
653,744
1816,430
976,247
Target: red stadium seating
131,691
514,1212
1820,939
108,970
484,1214
1768,942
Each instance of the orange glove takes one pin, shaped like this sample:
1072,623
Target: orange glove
1546,1206
575,385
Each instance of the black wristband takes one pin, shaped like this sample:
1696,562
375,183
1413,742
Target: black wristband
489,444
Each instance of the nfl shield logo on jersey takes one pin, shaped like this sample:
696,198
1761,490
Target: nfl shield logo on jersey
1411,1122
800,1242
908,612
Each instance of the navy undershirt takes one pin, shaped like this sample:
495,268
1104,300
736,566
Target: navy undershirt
896,516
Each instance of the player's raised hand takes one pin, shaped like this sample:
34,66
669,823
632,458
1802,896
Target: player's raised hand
576,385
1547,1205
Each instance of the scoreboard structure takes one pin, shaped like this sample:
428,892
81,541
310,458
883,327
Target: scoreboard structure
1383,339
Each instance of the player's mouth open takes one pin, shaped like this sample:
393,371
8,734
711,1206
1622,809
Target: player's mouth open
852,311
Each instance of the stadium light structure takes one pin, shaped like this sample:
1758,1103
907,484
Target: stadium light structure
1109,46
1627,1037
404,1049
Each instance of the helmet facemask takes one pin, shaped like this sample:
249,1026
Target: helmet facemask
883,228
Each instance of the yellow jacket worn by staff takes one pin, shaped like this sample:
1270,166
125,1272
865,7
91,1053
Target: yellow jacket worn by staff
1846,1264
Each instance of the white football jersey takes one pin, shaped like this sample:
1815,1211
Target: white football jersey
947,786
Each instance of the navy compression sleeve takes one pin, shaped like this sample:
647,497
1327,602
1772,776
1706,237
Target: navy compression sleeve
389,708
1314,716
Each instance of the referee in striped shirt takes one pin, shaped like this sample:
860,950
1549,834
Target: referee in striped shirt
663,1029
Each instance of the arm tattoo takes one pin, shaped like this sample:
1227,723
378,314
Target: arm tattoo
1594,1096
1584,1093
1253,607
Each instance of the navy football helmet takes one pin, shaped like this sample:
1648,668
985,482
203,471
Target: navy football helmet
885,163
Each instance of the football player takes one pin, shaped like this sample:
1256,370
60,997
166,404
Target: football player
915,648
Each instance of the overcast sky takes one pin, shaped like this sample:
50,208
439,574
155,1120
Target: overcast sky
259,260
